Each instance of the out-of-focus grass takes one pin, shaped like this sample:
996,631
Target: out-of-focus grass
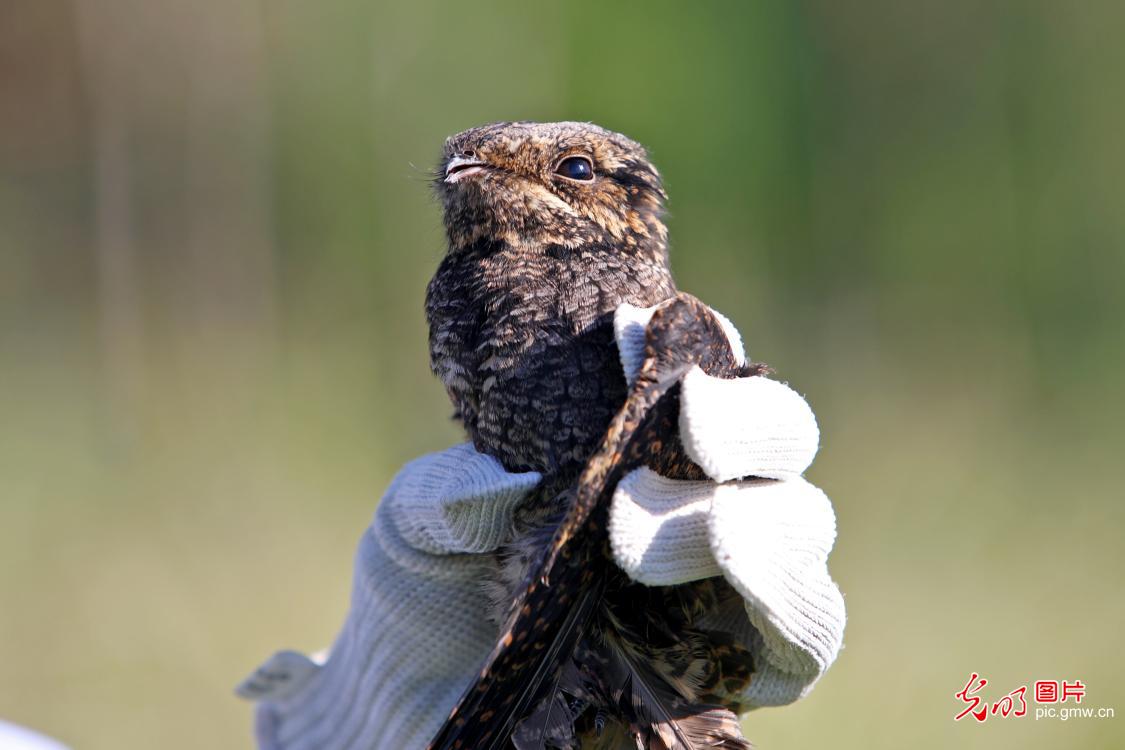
137,591
215,234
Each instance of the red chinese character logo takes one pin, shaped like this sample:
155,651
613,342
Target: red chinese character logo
1047,691
1075,690
1015,702
1005,705
971,697
1022,690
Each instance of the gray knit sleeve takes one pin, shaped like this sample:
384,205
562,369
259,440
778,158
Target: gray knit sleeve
418,626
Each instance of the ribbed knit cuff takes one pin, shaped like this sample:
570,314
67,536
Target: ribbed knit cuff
658,529
457,500
746,427
771,539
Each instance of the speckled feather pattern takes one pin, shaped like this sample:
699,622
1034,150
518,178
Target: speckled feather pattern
520,309
521,335
524,346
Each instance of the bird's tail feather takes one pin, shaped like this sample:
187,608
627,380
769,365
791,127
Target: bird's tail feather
609,696
542,630
663,718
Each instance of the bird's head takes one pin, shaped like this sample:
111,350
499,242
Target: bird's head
567,184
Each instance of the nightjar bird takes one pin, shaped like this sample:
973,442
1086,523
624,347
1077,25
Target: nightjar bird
551,227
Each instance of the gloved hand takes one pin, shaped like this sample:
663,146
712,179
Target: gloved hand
418,627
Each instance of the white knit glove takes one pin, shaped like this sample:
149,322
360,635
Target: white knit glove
418,627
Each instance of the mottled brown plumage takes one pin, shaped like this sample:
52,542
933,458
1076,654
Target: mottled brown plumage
520,309
551,227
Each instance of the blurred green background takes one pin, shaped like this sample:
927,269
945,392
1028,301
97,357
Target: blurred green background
215,232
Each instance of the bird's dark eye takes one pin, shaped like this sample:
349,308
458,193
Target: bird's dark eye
576,168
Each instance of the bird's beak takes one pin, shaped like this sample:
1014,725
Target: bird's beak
460,167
